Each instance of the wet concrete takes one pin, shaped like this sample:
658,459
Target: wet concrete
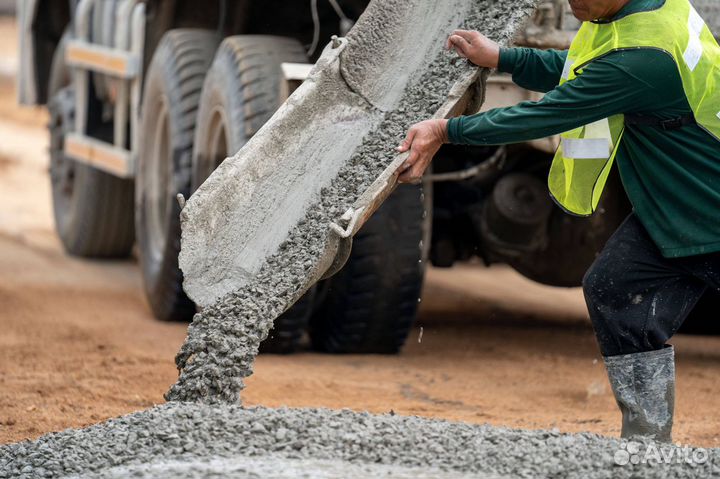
272,466
194,440
224,337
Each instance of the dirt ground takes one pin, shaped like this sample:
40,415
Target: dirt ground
78,345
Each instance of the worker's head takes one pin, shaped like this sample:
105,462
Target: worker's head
587,10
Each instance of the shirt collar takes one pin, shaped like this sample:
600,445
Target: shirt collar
634,6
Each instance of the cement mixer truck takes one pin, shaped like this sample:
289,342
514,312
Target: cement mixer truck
147,97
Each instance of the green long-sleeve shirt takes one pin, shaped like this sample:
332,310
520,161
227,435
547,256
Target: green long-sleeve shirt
672,178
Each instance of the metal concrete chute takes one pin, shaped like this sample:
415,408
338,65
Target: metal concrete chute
243,213
391,44
247,207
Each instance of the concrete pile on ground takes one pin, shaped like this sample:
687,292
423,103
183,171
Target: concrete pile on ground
184,440
224,337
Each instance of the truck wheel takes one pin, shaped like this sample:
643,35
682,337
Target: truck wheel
93,210
573,243
241,92
169,110
371,304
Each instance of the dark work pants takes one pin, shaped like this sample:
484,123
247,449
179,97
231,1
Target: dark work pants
637,298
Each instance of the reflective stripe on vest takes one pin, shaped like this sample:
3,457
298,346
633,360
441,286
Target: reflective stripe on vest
585,157
586,148
596,142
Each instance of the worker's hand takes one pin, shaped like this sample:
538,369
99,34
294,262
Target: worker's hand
476,47
423,141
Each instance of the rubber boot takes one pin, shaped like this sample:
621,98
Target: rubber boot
644,388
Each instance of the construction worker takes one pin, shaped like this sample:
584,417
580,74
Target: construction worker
639,86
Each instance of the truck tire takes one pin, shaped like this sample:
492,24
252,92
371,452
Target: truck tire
574,243
243,89
371,304
169,110
93,210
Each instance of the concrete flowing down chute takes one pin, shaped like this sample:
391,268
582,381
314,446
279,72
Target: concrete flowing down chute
245,210
280,215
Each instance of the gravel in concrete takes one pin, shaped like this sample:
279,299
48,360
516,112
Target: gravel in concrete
223,338
272,466
188,440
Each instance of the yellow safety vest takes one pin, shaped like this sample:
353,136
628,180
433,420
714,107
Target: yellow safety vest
585,157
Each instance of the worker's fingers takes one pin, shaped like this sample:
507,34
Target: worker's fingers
411,180
449,44
460,45
468,35
408,141
415,181
411,159
405,167
414,174
422,146
408,177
